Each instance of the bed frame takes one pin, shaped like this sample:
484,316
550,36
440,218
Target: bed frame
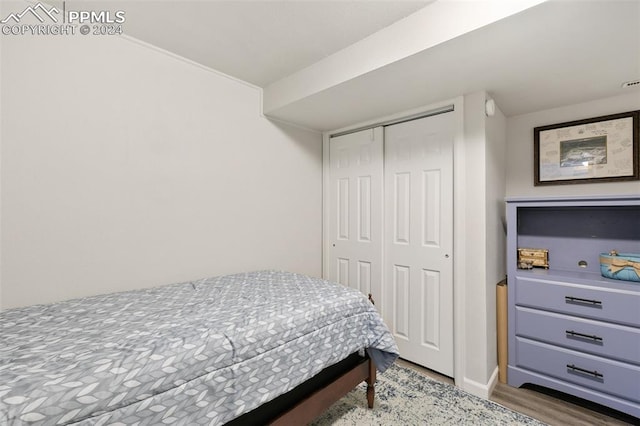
310,399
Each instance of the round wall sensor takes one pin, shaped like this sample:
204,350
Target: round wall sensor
490,107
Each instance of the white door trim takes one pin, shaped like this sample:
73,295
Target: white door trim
459,276
326,240
459,317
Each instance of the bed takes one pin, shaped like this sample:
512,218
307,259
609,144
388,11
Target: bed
248,348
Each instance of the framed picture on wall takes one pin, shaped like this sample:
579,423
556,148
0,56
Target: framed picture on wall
600,149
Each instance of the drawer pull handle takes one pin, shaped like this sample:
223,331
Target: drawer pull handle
571,333
593,373
571,299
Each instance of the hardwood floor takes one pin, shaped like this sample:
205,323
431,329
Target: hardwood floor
552,408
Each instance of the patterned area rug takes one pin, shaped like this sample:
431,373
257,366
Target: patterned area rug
406,397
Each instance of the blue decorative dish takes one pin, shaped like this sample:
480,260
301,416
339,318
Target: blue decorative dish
620,266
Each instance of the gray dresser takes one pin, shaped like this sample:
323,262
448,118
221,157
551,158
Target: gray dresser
571,329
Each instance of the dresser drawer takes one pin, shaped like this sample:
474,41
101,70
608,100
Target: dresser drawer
603,375
599,338
574,299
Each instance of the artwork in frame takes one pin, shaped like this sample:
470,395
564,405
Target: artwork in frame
600,149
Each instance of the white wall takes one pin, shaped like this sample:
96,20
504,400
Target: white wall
475,233
1,133
484,239
124,167
520,148
496,265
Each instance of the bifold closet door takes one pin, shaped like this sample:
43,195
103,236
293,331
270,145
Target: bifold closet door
418,266
356,209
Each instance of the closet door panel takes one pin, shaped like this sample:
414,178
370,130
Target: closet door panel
419,239
356,210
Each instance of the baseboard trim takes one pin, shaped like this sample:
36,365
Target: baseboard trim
493,381
482,390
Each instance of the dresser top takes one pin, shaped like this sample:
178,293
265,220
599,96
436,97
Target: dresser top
577,198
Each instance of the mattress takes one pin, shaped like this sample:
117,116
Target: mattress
199,352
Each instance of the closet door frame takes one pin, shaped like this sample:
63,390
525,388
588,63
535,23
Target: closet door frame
459,208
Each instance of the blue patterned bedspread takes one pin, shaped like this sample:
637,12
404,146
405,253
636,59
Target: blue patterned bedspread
201,352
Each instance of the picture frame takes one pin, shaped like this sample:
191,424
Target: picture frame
599,149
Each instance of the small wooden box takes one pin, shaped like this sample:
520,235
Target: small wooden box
534,257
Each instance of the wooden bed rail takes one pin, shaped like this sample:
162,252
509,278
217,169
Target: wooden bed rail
315,404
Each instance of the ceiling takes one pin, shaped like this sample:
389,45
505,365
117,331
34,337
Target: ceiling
556,53
260,41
